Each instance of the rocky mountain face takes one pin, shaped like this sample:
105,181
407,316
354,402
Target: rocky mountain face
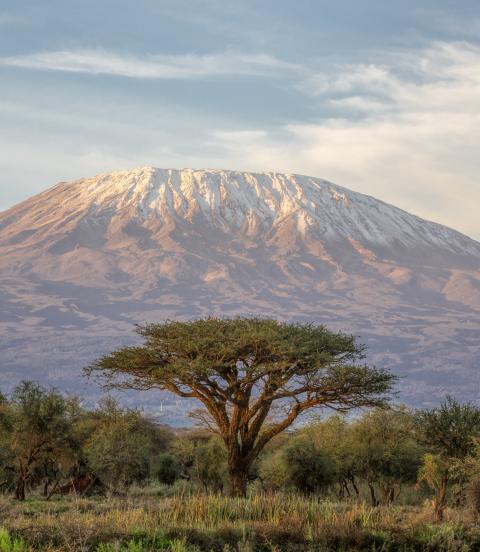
84,261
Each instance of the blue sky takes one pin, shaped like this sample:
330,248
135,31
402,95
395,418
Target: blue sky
381,97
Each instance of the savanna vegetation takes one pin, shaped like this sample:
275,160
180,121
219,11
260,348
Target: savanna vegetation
359,473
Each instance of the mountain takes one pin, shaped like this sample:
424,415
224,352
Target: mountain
82,262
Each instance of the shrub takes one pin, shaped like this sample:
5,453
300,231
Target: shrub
168,469
308,469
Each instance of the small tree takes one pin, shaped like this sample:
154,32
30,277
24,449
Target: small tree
385,451
240,368
334,436
40,431
121,448
449,433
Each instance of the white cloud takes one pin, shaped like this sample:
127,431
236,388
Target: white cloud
188,66
405,129
421,80
416,143
347,79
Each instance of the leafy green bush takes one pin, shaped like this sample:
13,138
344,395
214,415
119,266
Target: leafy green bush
309,470
168,468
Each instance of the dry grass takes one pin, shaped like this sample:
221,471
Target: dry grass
263,522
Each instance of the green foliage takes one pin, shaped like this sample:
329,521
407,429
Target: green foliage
309,470
184,450
433,470
471,463
449,432
43,435
465,475
385,451
41,413
40,432
6,445
180,356
450,429
273,471
10,544
210,464
123,446
334,437
168,468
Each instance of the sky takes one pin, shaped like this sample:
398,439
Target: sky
378,96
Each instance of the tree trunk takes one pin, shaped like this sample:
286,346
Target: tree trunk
20,488
440,501
388,493
372,494
238,481
344,490
46,486
354,485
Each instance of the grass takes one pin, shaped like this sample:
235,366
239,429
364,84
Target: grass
267,523
11,544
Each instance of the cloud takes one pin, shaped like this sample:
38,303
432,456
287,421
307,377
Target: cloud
347,79
422,80
185,66
406,130
403,127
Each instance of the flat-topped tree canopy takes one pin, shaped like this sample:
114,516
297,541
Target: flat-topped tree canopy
239,368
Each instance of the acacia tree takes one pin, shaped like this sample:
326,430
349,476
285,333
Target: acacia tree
121,448
240,368
334,437
385,452
41,430
449,432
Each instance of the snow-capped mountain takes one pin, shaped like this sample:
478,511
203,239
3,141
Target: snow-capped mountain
83,261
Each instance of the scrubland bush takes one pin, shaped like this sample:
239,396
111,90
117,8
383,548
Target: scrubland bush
311,484
48,440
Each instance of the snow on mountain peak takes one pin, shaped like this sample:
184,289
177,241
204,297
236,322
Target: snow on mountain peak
272,209
236,199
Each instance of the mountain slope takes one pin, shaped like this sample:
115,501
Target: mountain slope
82,261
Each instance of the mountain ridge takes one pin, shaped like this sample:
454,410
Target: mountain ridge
86,260
338,192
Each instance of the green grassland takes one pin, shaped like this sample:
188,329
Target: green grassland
145,520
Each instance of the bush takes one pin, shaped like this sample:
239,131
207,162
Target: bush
309,470
168,469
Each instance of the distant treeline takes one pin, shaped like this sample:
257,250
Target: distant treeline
51,444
